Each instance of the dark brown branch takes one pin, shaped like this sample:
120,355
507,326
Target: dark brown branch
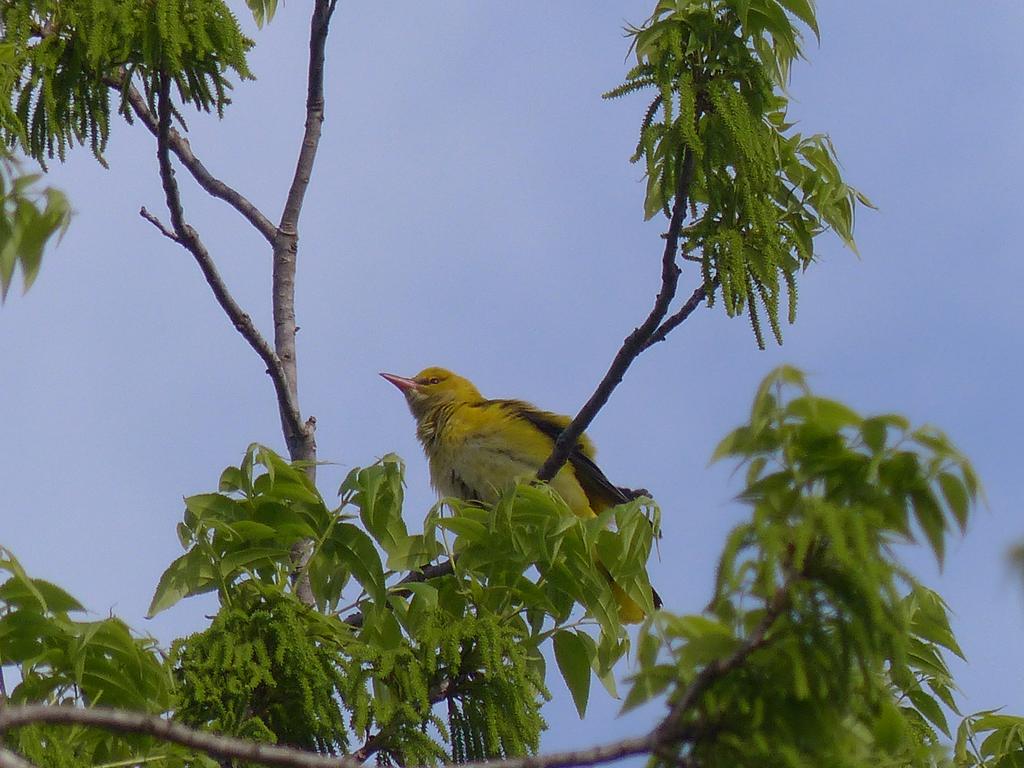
671,729
189,239
150,725
603,753
636,342
301,443
181,148
677,319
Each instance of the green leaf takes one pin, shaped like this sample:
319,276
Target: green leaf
649,683
956,496
249,530
31,219
37,594
240,560
377,492
262,10
212,506
931,620
574,661
803,10
412,553
929,517
874,431
890,728
829,415
931,709
473,530
190,574
358,554
232,479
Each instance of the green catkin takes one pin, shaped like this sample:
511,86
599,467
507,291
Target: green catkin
755,321
259,672
722,101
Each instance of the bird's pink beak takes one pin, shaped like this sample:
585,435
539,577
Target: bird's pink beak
404,384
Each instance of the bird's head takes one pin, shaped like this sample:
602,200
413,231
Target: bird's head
432,388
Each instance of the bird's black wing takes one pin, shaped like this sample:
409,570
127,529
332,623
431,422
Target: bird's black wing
599,489
596,485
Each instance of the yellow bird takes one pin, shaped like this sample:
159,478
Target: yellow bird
477,448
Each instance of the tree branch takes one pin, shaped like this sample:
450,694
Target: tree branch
677,319
637,341
9,759
668,733
189,239
301,444
151,725
603,753
180,146
671,729
158,224
426,573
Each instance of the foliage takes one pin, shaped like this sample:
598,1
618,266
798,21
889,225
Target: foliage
60,61
760,192
1001,747
273,669
841,651
61,660
30,218
262,10
817,648
258,673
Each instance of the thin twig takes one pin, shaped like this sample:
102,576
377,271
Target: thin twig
635,343
180,146
158,224
677,319
189,239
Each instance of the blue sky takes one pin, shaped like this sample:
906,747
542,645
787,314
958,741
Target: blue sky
473,207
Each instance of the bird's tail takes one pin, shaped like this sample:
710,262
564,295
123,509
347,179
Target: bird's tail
630,611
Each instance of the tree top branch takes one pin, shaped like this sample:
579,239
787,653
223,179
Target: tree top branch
640,338
190,240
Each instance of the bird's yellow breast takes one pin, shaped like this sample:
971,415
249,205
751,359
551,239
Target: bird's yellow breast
478,450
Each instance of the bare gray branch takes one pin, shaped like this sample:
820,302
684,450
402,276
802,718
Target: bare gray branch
189,239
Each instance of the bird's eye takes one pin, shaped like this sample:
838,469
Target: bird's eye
434,380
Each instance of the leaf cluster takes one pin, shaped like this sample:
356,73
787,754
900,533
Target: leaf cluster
30,218
65,660
532,560
59,60
760,192
271,668
839,652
